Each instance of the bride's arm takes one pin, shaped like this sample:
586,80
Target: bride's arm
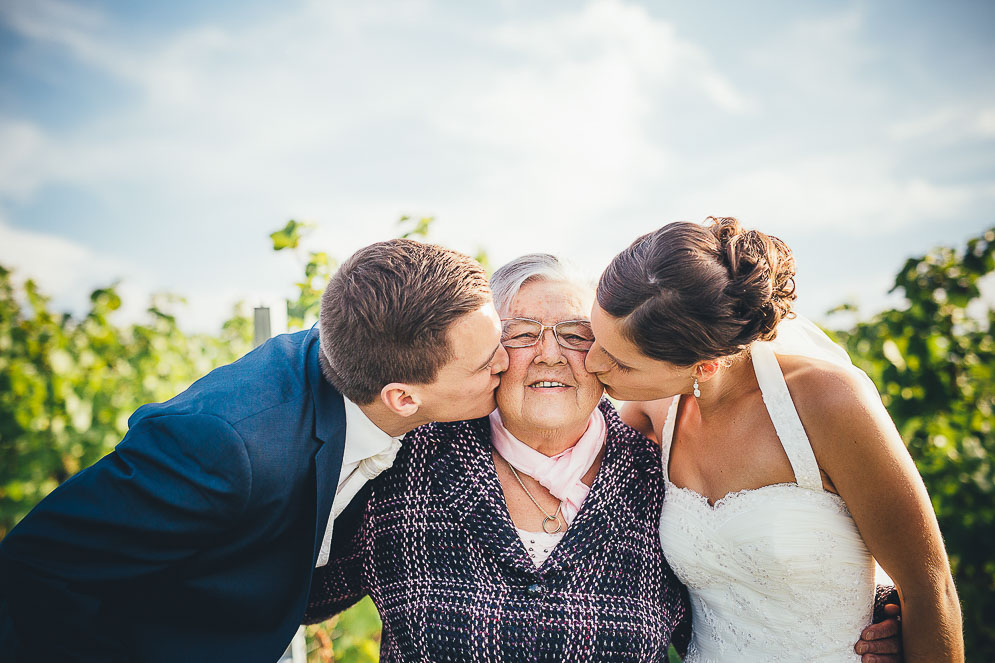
857,445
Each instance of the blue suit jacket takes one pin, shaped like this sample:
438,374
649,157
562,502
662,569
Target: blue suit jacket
196,538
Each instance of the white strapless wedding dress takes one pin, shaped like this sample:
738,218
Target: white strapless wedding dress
779,573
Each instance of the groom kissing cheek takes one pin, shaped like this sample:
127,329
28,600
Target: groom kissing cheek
197,537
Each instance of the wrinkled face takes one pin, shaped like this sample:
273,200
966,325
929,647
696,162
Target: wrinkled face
464,388
627,373
546,386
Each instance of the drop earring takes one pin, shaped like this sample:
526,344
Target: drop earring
697,391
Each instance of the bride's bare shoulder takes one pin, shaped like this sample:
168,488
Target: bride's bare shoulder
829,383
831,399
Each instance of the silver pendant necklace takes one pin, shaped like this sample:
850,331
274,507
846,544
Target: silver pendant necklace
550,519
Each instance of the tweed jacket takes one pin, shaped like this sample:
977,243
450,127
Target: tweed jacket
438,553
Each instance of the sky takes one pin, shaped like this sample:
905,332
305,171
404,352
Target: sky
158,144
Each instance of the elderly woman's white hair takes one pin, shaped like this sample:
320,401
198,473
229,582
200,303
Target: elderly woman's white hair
510,277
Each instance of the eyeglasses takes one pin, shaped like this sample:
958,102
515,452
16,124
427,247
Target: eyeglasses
569,334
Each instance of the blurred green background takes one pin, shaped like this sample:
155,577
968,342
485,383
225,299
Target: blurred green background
68,385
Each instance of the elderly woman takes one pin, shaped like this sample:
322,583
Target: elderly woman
529,535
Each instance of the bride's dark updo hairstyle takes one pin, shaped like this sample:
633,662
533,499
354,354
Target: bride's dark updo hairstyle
688,292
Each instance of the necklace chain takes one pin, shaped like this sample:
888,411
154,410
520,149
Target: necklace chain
550,518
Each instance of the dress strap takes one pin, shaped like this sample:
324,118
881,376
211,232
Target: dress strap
782,412
667,435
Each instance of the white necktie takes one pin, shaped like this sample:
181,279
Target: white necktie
367,470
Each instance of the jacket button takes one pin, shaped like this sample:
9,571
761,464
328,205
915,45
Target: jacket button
535,590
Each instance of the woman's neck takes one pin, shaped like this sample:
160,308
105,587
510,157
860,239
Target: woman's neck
547,441
725,388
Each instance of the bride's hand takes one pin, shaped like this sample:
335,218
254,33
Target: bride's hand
882,642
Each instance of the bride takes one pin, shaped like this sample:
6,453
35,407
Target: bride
785,476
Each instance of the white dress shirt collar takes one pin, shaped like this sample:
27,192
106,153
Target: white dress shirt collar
363,438
368,452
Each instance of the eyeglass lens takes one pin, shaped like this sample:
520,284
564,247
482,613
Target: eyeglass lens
571,334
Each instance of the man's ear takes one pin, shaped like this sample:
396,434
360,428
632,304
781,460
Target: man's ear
706,370
400,398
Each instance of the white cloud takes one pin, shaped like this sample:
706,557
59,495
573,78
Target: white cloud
216,110
565,138
22,162
537,131
221,109
856,194
69,272
59,266
627,36
984,122
824,58
263,112
949,124
84,32
54,21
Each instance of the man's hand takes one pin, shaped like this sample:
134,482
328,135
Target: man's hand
882,642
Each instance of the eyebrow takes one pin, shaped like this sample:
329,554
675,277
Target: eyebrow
489,359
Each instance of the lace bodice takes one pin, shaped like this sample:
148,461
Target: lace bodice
779,573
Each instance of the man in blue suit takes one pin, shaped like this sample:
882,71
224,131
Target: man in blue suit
197,537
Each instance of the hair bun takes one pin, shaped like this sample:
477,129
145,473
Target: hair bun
762,277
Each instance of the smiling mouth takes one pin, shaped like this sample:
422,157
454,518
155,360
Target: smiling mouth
547,384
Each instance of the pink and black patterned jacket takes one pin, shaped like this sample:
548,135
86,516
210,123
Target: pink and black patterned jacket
439,555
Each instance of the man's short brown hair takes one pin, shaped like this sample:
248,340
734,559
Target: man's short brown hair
386,314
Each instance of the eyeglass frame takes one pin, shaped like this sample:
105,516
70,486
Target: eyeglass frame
542,331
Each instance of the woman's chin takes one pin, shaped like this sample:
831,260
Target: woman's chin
623,395
613,392
548,419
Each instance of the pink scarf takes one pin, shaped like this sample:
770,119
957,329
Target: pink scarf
560,474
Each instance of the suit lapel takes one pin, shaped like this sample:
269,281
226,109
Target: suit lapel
329,432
